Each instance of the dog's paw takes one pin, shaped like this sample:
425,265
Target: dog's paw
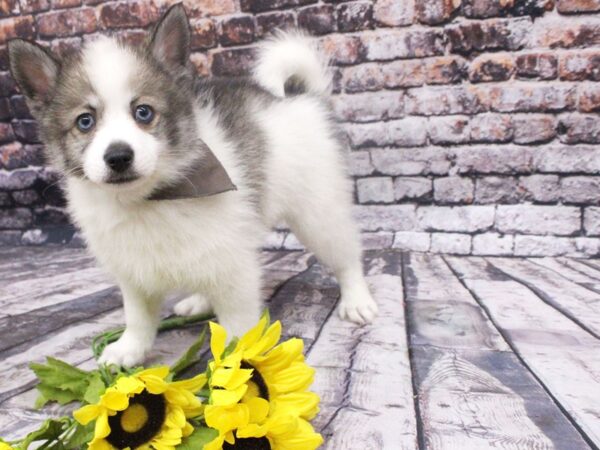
358,309
126,352
192,305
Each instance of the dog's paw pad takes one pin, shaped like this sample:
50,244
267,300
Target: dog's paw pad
190,306
361,311
123,353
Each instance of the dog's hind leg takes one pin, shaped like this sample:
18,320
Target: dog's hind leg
192,305
327,229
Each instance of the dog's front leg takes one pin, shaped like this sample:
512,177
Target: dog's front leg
141,323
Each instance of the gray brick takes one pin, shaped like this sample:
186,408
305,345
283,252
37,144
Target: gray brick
369,106
9,238
386,218
35,237
491,128
589,247
538,219
448,130
18,179
376,189
15,218
413,161
493,244
408,132
412,188
496,190
412,241
360,163
467,219
379,239
567,159
451,243
485,160
544,246
533,128
453,190
581,189
540,188
591,221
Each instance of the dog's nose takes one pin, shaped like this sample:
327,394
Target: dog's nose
118,156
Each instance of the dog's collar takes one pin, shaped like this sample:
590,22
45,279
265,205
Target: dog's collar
205,177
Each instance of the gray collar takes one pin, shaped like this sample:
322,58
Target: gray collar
204,177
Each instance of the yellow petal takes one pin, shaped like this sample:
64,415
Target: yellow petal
252,336
226,419
227,397
115,400
303,404
87,413
192,384
259,409
129,385
160,372
100,444
218,337
155,385
102,429
268,341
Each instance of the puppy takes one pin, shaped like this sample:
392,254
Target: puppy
175,181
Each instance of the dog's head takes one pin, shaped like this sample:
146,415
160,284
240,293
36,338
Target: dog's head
118,116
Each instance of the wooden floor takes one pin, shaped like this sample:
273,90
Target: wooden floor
467,352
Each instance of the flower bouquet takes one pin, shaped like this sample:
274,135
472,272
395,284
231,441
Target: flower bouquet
253,395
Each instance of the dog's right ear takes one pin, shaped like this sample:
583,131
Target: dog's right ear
170,41
33,68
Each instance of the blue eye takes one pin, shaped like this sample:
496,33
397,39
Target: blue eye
144,114
85,122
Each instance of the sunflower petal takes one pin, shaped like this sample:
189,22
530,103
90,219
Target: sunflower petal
86,414
218,338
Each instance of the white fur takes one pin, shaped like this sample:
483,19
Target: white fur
209,246
110,67
291,54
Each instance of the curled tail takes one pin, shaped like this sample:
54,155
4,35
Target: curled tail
290,64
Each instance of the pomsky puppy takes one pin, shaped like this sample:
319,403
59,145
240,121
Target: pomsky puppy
175,180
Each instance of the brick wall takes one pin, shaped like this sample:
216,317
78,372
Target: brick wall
474,123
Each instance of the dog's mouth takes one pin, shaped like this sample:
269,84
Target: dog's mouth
122,179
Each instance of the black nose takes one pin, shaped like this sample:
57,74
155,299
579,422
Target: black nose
118,156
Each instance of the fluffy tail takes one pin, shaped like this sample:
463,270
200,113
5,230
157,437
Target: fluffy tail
290,64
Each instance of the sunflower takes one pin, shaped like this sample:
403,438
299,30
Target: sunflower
278,432
275,373
5,446
143,411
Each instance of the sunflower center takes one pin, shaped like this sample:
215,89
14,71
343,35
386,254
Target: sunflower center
248,444
256,385
139,423
134,418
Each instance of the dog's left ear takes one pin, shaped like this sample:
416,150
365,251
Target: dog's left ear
170,42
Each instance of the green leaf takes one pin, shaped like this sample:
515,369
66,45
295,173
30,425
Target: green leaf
82,435
52,394
50,430
190,357
94,389
198,439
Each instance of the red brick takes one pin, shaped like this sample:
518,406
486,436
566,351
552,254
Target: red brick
481,9
19,107
232,62
354,16
383,44
26,131
128,14
393,12
267,5
435,11
365,77
495,67
445,70
318,19
132,37
34,6
63,47
5,110
493,34
537,65
448,130
267,23
201,63
204,34
236,30
442,100
21,26
6,133
342,49
529,97
16,156
403,73
589,98
577,6
579,129
8,86
491,128
8,7
59,4
207,8
533,128
580,66
565,33
67,22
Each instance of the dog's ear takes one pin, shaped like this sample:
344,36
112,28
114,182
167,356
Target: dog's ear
170,41
34,69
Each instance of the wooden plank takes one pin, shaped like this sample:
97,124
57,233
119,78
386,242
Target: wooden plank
363,374
581,266
473,393
565,269
564,357
576,302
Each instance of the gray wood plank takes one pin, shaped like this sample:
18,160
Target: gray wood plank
363,374
563,357
473,392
